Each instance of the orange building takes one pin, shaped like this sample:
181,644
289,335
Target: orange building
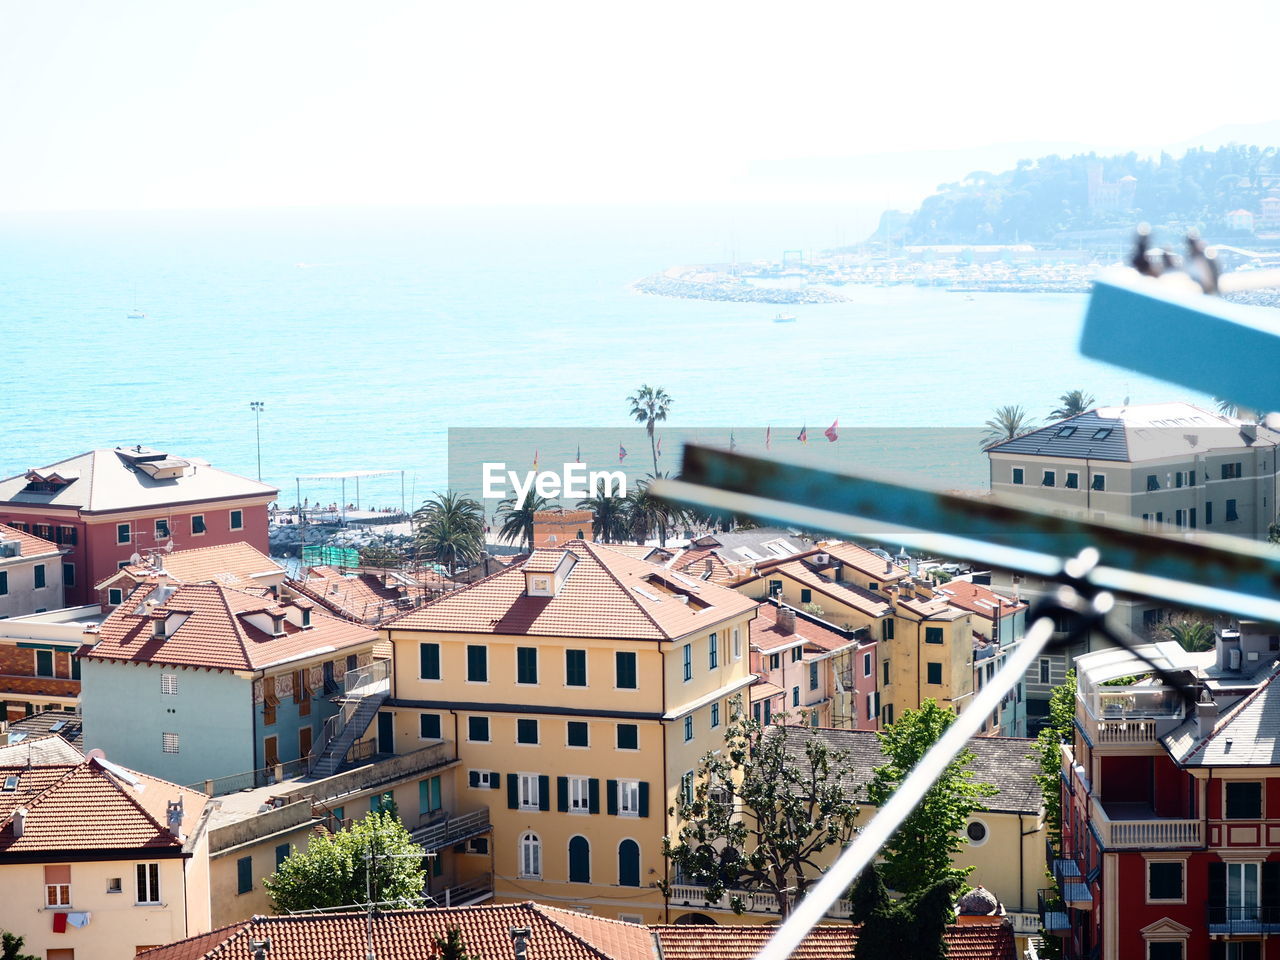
556,527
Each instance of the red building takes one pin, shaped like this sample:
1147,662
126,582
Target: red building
1171,809
106,505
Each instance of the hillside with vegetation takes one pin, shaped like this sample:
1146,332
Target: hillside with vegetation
1063,198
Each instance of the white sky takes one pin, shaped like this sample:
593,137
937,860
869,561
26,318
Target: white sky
156,103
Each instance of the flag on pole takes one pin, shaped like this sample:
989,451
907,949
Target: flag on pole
535,461
622,453
804,434
768,437
659,446
733,444
832,432
578,458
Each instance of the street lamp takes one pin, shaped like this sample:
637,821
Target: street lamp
257,406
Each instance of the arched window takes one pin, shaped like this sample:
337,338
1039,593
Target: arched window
579,860
629,863
530,856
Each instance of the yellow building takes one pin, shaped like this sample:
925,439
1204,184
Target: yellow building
97,861
580,687
924,644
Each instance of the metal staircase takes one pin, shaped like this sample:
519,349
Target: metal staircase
364,691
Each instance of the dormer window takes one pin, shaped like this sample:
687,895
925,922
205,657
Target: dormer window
277,625
157,628
306,617
539,585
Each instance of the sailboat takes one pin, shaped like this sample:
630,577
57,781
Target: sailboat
785,318
135,313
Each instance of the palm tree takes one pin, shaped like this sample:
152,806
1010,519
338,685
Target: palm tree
1006,423
1228,408
648,406
1194,633
646,514
609,523
1074,403
517,519
449,529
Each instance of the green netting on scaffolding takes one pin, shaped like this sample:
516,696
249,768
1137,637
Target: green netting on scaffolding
320,555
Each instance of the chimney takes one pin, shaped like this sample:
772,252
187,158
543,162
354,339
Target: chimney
837,568
520,940
906,589
173,817
786,620
1206,714
19,822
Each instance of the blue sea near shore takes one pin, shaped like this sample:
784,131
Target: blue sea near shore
369,333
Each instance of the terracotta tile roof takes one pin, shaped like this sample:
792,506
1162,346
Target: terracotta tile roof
606,594
931,608
987,940
87,806
230,564
31,545
864,601
978,598
543,561
40,749
763,690
696,561
40,724
862,559
554,934
767,635
214,632
363,597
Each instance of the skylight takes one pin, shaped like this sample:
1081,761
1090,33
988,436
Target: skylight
1102,433
647,595
11,783
57,725
1066,431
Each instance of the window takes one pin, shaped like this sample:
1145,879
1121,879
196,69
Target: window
624,666
1243,800
686,784
1242,891
162,529
197,524
1177,480
527,665
1050,478
934,671
44,663
149,882
577,734
429,726
429,800
1191,478
115,596
1073,481
68,574
169,684
122,533
575,668
1231,511
884,672
806,595
169,742
628,736
579,860
306,616
1232,471
526,731
813,675
429,661
1099,482
530,856
866,662
1166,949
1153,482
75,674
976,831
244,875
530,794
237,519
775,588
1208,513
483,779
1018,476
737,644
38,570
578,794
115,885
628,864
478,729
933,635
796,654
715,715
713,652
775,661
688,728
688,662
57,885
283,852
477,664
1164,880
1044,669
629,798
4,583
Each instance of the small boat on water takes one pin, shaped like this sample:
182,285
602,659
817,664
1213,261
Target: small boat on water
136,314
785,318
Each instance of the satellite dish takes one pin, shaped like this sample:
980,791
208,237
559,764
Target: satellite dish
135,558
97,753
168,547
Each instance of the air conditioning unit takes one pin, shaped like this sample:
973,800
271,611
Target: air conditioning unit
822,559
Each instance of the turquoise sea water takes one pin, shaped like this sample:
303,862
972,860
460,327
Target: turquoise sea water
369,334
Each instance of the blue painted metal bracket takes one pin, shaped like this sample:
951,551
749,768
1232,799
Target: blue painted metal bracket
1161,328
1212,571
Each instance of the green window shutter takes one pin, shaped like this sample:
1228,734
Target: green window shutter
1270,886
244,874
594,796
513,792
473,778
562,794
611,788
495,780
429,661
544,792
644,798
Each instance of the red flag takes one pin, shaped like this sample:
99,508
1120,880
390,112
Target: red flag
832,432
804,434
622,453
659,446
768,437
535,461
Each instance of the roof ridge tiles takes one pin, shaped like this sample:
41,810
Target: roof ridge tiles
627,591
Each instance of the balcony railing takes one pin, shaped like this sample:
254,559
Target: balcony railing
755,901
1133,702
1134,731
462,894
442,830
1052,912
1242,919
1146,833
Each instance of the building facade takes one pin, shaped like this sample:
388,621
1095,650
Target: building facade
31,574
38,668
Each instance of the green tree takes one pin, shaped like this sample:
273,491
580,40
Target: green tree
1073,403
11,947
449,529
913,928
1048,751
760,813
452,947
920,852
1273,532
1006,423
647,515
374,858
1192,631
380,553
517,518
608,516
649,406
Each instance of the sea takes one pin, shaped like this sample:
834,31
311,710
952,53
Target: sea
368,335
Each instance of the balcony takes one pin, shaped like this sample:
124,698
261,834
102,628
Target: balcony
1125,826
1242,920
464,894
754,901
437,829
1052,912
1125,732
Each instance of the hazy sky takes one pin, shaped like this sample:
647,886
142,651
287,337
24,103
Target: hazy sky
169,103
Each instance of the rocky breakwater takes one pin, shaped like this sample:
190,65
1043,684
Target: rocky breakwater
692,283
